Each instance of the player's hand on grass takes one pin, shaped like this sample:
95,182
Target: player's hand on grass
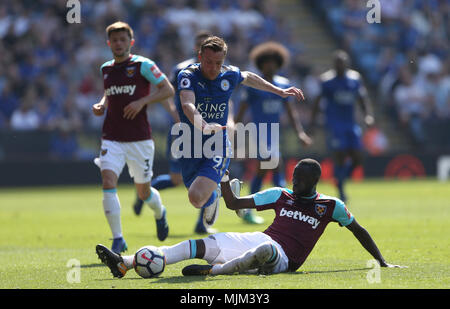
98,109
131,110
293,92
213,128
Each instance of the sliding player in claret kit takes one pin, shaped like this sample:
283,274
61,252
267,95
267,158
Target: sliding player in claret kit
301,216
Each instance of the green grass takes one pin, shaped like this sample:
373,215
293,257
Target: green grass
41,229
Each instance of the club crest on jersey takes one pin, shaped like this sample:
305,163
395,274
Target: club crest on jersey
320,209
225,85
131,71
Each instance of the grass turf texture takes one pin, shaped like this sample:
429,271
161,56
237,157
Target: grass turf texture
41,229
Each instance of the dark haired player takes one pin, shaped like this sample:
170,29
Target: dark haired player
342,89
131,82
301,216
265,109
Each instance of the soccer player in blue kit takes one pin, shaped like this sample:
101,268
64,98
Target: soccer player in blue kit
174,178
342,89
266,108
204,89
301,216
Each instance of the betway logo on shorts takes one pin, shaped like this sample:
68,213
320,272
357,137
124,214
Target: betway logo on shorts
126,89
297,215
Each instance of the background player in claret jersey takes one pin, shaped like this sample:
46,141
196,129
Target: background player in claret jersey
301,216
342,90
204,89
126,133
265,109
174,177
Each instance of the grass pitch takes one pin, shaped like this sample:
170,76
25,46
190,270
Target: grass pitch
45,231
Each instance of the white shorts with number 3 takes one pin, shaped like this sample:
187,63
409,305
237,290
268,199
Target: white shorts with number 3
137,155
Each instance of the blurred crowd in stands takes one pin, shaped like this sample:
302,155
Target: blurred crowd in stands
49,68
405,57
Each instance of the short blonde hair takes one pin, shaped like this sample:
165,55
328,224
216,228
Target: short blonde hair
120,26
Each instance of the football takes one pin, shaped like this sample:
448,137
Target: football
149,261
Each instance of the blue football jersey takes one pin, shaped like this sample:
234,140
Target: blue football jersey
341,95
211,96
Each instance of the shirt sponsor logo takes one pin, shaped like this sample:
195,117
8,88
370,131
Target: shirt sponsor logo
126,89
297,215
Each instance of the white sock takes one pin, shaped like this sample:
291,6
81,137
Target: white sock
154,201
111,207
128,261
179,252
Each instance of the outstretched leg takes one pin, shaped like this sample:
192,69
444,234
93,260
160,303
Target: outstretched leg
253,259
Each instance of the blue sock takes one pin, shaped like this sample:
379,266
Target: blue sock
256,184
162,182
279,179
211,199
349,167
340,173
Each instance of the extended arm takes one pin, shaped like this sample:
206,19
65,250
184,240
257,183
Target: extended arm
365,104
257,82
234,202
297,124
367,242
315,111
169,106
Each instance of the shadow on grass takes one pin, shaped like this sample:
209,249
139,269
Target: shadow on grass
93,265
306,272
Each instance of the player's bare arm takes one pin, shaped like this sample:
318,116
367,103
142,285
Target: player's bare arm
99,108
367,242
187,98
163,92
232,201
169,106
365,104
315,112
255,81
294,118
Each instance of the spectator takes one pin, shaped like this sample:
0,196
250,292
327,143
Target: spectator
25,117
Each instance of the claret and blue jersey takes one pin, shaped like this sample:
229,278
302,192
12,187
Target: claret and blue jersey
299,223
